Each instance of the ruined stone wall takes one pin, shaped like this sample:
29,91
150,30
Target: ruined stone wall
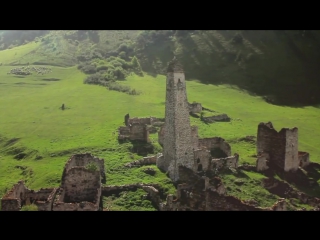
215,142
291,151
177,145
81,185
58,205
123,133
304,159
13,200
134,132
204,194
141,121
195,137
222,163
262,163
139,132
161,136
202,159
272,142
43,198
282,146
142,162
217,118
195,107
19,195
81,160
264,134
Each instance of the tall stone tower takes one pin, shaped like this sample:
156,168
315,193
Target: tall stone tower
177,143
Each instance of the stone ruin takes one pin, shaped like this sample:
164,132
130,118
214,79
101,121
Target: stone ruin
279,149
180,141
195,107
208,194
80,189
138,129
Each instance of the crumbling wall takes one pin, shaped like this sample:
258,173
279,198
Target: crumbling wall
195,107
202,159
123,133
15,198
216,118
262,162
291,151
194,137
215,142
282,146
222,163
81,185
142,162
43,198
81,160
19,196
161,136
141,121
58,205
304,159
208,194
46,203
139,132
134,132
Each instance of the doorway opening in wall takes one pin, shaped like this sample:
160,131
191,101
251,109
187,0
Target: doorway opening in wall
218,153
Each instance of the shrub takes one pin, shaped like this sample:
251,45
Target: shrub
92,167
114,86
31,207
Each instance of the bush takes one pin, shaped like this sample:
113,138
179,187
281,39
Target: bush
92,167
31,207
114,86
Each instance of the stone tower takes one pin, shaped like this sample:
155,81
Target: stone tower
177,143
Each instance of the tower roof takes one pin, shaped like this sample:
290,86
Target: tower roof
175,66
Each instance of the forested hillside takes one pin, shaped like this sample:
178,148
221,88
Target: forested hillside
281,65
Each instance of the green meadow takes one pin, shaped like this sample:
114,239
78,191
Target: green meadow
37,137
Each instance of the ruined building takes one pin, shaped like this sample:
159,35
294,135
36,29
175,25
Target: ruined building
180,141
138,129
279,149
80,189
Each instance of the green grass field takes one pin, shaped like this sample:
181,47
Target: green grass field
31,122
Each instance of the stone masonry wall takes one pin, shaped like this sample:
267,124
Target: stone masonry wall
262,162
281,146
161,136
143,162
81,160
215,142
222,163
81,185
11,201
203,194
291,151
195,107
304,159
272,142
19,195
134,132
202,158
177,146
195,137
58,205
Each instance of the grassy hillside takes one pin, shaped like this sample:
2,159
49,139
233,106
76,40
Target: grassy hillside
48,136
